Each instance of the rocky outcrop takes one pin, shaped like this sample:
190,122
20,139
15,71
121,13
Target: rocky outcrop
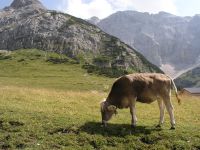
162,38
18,4
94,20
27,24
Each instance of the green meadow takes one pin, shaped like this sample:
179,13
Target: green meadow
47,101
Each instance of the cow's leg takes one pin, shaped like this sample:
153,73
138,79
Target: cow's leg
162,112
170,110
133,112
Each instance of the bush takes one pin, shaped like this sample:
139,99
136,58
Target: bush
101,59
109,72
57,60
3,57
21,60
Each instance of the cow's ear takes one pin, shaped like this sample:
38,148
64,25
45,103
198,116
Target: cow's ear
112,108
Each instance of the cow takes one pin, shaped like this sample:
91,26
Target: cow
140,87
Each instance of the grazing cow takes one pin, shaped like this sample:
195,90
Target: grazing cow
141,87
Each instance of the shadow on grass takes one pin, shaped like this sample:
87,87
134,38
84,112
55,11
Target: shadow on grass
116,129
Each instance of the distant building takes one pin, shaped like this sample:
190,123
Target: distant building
191,91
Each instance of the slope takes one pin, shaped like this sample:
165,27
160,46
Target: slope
189,79
34,68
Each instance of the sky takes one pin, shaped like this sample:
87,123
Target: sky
103,8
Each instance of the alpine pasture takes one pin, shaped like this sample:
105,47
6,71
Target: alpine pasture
53,104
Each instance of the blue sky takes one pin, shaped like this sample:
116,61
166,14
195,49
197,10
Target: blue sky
103,8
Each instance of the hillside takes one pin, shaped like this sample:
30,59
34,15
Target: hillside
34,68
189,79
28,24
48,104
163,38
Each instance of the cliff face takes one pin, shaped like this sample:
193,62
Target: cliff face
28,24
162,38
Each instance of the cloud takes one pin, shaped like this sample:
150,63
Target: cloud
100,8
103,8
154,6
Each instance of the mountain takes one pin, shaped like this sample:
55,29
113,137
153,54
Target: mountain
28,24
36,4
94,20
163,38
189,79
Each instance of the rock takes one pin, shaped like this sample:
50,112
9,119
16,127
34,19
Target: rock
94,20
17,4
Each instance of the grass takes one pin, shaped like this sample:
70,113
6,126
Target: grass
30,68
56,106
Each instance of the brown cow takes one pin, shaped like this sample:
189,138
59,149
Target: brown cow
141,87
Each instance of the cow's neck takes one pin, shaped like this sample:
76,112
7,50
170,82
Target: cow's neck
112,101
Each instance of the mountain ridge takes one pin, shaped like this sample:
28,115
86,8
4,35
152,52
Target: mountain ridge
31,26
162,38
190,78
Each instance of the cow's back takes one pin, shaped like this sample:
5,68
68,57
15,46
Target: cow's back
147,87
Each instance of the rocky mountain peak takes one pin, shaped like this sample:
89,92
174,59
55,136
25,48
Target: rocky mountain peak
17,4
94,20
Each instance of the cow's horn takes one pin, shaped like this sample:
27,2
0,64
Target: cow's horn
112,108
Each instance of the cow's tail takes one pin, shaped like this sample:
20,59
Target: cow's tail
176,93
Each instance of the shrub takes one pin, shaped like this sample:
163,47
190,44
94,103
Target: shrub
3,57
57,60
101,59
109,72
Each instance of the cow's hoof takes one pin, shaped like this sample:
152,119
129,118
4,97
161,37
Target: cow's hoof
104,125
158,126
172,128
133,126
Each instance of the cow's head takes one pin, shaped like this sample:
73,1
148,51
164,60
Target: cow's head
107,111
